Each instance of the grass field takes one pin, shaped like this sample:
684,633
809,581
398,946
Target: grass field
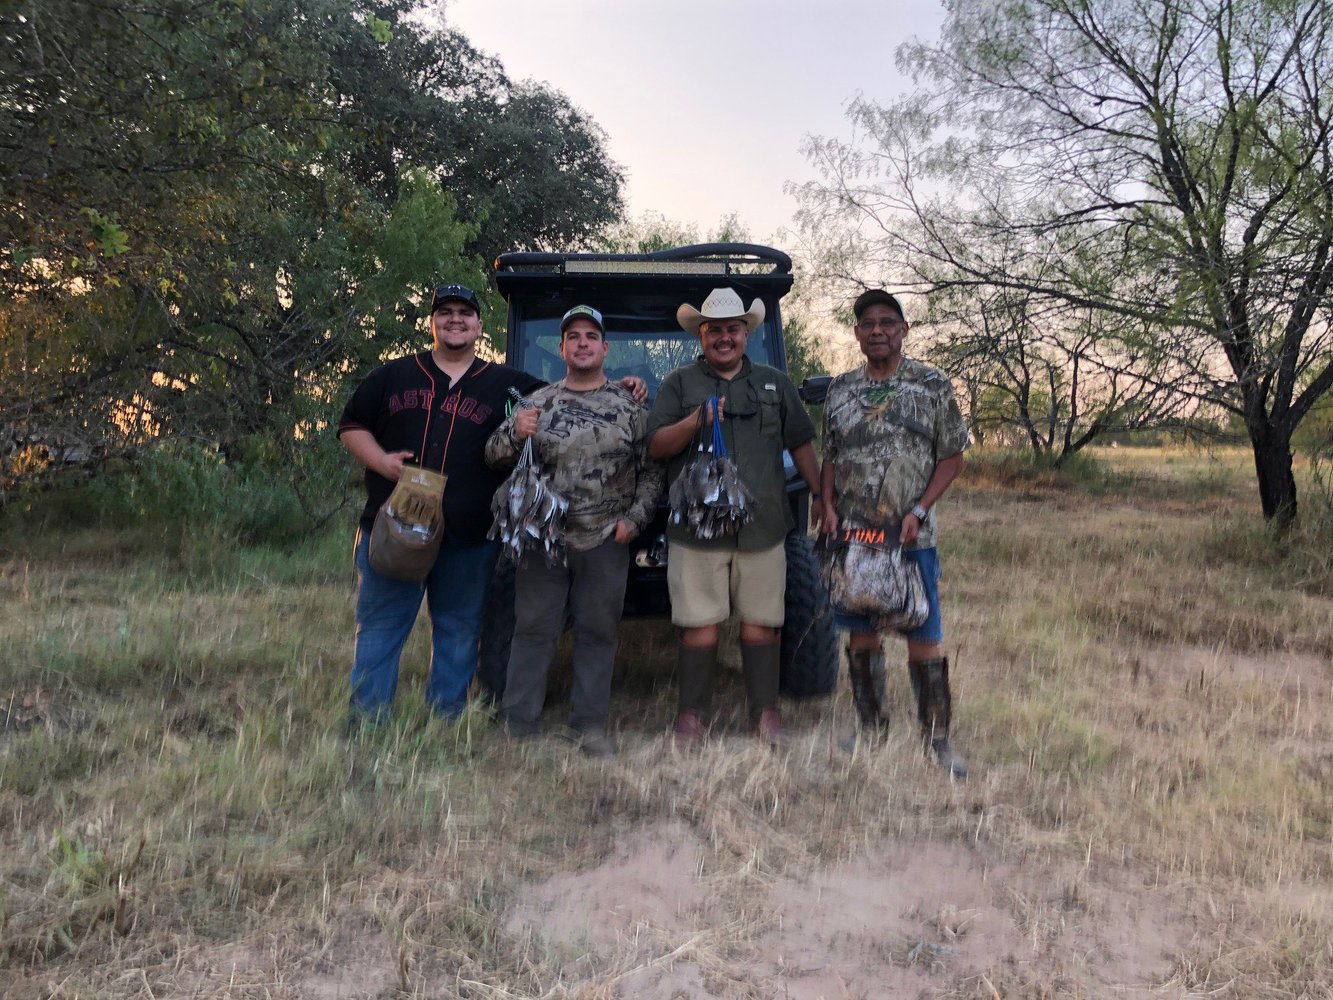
1144,691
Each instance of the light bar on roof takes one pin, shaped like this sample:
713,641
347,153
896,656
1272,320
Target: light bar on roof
645,267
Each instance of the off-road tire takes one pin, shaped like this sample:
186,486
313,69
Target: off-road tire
809,639
497,632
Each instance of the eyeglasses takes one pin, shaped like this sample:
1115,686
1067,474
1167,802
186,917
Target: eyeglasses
887,325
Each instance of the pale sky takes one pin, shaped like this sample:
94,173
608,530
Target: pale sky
706,102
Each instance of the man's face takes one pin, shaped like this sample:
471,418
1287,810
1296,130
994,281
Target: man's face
724,342
455,326
880,332
583,347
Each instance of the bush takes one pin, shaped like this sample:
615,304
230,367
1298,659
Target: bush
1020,468
183,491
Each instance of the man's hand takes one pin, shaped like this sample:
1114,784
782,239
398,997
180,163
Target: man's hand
823,516
636,387
525,423
674,438
910,529
706,407
625,532
391,467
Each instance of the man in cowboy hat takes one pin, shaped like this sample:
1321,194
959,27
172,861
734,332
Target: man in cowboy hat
893,443
761,415
590,434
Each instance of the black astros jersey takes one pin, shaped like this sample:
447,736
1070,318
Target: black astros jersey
409,404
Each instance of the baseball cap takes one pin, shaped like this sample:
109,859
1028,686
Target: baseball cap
584,312
876,296
454,293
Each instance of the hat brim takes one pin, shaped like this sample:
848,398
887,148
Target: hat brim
691,319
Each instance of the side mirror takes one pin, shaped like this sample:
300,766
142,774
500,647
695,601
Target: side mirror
815,388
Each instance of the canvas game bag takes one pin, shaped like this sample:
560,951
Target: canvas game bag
869,576
409,526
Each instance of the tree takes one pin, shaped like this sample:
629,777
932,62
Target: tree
1163,162
214,213
1052,376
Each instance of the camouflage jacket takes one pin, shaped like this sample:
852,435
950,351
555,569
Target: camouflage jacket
884,439
594,445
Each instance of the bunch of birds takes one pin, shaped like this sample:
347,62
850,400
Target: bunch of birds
529,514
708,495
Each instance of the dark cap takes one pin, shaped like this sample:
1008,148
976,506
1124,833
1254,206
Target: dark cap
876,296
454,293
582,312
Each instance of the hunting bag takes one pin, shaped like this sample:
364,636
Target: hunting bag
868,575
409,526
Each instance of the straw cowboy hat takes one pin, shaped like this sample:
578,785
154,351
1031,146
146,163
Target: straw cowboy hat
722,303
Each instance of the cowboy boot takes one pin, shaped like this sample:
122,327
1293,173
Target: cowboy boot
866,669
930,683
694,684
760,666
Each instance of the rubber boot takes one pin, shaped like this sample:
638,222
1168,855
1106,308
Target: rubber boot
760,665
866,669
694,685
930,682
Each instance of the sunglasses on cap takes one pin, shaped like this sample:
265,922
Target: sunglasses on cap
455,293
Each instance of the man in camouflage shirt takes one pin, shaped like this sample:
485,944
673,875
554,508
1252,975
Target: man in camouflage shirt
590,435
893,442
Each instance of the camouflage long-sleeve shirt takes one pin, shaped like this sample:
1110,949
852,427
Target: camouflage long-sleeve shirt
884,439
593,443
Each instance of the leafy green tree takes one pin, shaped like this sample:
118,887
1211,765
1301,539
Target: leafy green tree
214,212
1165,163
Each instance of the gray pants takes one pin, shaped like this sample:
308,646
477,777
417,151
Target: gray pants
591,585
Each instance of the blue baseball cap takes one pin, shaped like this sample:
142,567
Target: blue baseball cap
582,312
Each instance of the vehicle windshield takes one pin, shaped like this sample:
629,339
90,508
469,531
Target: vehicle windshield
643,333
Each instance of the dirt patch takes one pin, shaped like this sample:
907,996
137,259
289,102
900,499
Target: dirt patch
649,885
916,917
355,964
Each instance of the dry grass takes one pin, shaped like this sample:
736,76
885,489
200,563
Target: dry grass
1143,689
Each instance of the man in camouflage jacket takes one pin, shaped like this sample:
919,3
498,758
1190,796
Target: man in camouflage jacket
590,435
893,443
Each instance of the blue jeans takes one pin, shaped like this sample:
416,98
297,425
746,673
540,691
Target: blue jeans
932,629
387,608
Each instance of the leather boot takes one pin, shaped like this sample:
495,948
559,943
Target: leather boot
866,669
694,685
760,665
930,682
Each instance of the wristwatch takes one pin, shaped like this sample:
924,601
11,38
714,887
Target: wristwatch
919,512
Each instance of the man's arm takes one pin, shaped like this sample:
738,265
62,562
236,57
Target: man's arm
672,439
651,478
809,468
366,450
505,442
666,440
830,496
946,471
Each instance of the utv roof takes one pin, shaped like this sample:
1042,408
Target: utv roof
744,263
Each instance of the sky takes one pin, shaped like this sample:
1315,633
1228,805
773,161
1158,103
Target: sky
706,103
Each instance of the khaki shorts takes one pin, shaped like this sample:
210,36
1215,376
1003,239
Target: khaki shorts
708,584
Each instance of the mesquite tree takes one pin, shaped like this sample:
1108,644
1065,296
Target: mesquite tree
1164,162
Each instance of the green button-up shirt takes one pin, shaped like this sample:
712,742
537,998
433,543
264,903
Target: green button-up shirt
762,416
